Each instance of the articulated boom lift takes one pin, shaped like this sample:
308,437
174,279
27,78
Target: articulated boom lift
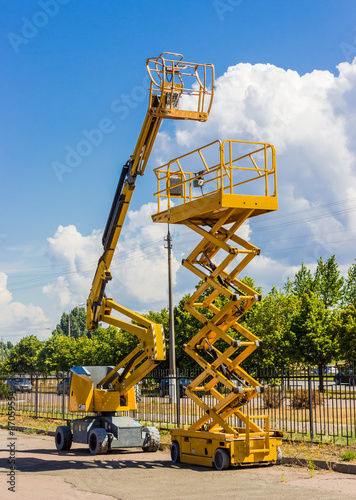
215,189
179,90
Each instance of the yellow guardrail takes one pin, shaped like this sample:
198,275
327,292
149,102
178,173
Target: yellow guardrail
229,167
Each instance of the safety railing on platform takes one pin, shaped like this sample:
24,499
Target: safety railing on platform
180,81
229,167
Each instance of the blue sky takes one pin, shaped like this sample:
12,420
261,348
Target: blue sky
65,63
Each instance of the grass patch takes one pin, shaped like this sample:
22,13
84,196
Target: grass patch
319,451
348,456
33,423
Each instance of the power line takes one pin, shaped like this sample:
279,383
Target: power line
309,209
129,256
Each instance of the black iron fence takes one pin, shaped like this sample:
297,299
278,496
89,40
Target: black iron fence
302,403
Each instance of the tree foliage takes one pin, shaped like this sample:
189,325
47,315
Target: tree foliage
344,328
300,324
349,288
23,357
315,342
73,324
320,294
5,349
327,282
271,321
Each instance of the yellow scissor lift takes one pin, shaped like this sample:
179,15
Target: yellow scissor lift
213,191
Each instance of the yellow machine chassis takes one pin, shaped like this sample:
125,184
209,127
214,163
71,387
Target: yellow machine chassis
199,447
227,183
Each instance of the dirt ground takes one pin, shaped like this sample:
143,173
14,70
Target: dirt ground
42,473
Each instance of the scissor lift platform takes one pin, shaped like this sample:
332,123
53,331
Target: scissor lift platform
213,191
215,205
235,183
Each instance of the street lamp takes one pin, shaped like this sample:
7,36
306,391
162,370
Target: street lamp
172,352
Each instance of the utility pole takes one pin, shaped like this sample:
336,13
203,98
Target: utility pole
2,350
172,349
69,324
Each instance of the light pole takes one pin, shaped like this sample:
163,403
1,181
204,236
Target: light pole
172,348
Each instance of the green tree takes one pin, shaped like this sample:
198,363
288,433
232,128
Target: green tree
5,350
315,341
303,281
23,357
313,336
271,321
73,324
328,283
349,288
56,354
320,294
344,329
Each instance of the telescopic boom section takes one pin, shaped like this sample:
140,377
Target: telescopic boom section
178,90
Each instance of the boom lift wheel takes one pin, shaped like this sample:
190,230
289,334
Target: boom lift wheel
98,441
221,459
63,438
152,440
175,452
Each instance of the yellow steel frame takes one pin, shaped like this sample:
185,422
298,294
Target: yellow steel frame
221,178
221,299
171,79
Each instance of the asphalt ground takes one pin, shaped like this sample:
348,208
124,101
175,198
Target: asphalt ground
43,473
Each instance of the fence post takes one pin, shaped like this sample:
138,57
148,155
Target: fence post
63,396
36,396
311,423
178,398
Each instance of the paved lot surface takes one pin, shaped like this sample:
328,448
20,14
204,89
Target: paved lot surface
45,474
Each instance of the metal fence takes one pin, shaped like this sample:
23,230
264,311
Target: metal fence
293,400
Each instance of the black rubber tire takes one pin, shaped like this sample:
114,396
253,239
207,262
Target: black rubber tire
175,452
98,441
152,440
279,456
221,459
63,438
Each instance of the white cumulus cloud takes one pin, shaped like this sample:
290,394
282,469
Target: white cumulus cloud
311,121
78,255
139,266
18,318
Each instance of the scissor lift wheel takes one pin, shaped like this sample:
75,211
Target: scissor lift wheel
221,459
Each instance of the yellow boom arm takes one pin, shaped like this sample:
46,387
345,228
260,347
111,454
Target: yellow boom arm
178,90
